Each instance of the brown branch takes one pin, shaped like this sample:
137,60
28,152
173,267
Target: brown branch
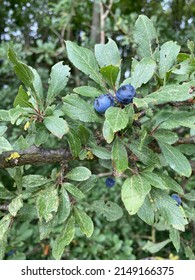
34,156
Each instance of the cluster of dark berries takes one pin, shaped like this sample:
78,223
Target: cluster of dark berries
124,95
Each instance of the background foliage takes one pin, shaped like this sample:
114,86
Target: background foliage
36,30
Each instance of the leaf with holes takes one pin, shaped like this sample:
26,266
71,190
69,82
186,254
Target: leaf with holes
110,210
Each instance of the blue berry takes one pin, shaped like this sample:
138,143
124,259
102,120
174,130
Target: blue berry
177,198
103,102
110,182
125,94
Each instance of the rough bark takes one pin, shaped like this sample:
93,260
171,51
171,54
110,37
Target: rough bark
34,156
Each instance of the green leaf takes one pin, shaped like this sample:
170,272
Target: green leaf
57,126
4,225
168,209
79,173
84,60
166,136
47,202
3,246
64,206
64,239
119,156
78,109
153,179
84,221
189,253
41,136
175,238
190,196
169,93
117,118
22,98
145,155
107,54
83,134
133,193
110,210
101,152
143,72
58,79
4,193
170,183
88,91
110,74
3,129
74,142
145,35
177,119
29,77
15,205
86,186
74,190
155,247
34,181
168,55
176,160
108,133
5,145
146,212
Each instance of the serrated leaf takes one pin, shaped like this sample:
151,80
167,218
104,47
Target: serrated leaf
84,221
168,209
57,126
110,74
4,225
176,160
154,180
170,93
87,91
170,183
119,156
47,202
15,205
143,72
78,109
108,133
84,60
175,238
73,190
133,193
108,209
64,239
146,212
29,77
41,136
79,173
117,118
168,55
84,134
34,181
5,145
22,98
155,247
3,129
74,142
58,79
145,35
86,186
145,155
166,136
107,54
64,206
101,152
